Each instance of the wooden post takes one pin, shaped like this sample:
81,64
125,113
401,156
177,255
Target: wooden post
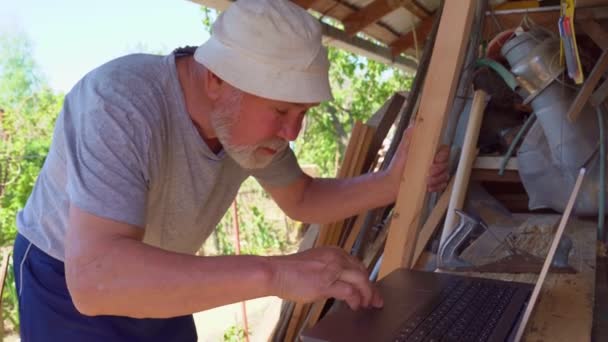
436,101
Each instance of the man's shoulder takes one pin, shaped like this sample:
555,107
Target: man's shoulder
137,84
132,73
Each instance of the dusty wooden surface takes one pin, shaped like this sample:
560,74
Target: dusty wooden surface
565,308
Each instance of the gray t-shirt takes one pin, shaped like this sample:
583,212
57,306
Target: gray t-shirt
124,148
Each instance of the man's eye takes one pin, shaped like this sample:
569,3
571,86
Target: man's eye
281,111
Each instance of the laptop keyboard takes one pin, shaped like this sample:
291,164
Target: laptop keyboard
464,311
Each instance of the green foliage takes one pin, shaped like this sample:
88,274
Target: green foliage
234,334
10,310
27,116
258,234
209,16
360,87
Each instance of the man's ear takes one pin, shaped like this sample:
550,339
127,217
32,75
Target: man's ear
213,84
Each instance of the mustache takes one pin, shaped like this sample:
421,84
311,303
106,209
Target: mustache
274,144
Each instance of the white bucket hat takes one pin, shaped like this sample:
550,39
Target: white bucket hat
269,48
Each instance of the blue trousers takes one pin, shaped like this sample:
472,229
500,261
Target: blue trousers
47,313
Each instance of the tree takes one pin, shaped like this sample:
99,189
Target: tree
360,87
29,108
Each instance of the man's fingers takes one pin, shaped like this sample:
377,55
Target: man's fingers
361,284
377,301
438,188
344,291
438,169
438,179
443,154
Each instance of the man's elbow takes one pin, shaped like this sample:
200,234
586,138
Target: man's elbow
84,291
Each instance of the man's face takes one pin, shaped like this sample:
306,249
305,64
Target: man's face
252,129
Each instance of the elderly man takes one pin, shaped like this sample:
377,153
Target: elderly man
147,155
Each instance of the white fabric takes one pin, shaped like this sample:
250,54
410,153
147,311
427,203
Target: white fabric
269,48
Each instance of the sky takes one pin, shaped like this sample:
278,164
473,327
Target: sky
72,37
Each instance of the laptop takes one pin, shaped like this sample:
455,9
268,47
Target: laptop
430,306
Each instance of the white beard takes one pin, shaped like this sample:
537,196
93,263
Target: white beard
223,119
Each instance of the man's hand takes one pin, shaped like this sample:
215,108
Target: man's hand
438,173
321,273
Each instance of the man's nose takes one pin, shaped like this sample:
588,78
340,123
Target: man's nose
290,129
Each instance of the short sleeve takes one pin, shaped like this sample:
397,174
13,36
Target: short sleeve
283,170
106,153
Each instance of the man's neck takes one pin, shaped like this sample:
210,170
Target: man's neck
196,105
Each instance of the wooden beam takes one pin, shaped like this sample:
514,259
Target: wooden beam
407,40
305,4
436,102
593,29
432,222
368,15
418,10
377,9
601,66
338,38
600,94
591,3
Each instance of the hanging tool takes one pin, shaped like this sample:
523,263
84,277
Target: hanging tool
569,49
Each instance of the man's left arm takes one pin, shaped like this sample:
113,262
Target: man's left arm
324,200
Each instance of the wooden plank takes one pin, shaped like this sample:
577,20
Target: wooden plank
305,4
327,230
406,41
600,94
337,38
432,222
340,9
591,3
382,121
299,312
315,313
601,66
353,169
354,233
436,102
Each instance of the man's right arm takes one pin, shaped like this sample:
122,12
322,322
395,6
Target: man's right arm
110,271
